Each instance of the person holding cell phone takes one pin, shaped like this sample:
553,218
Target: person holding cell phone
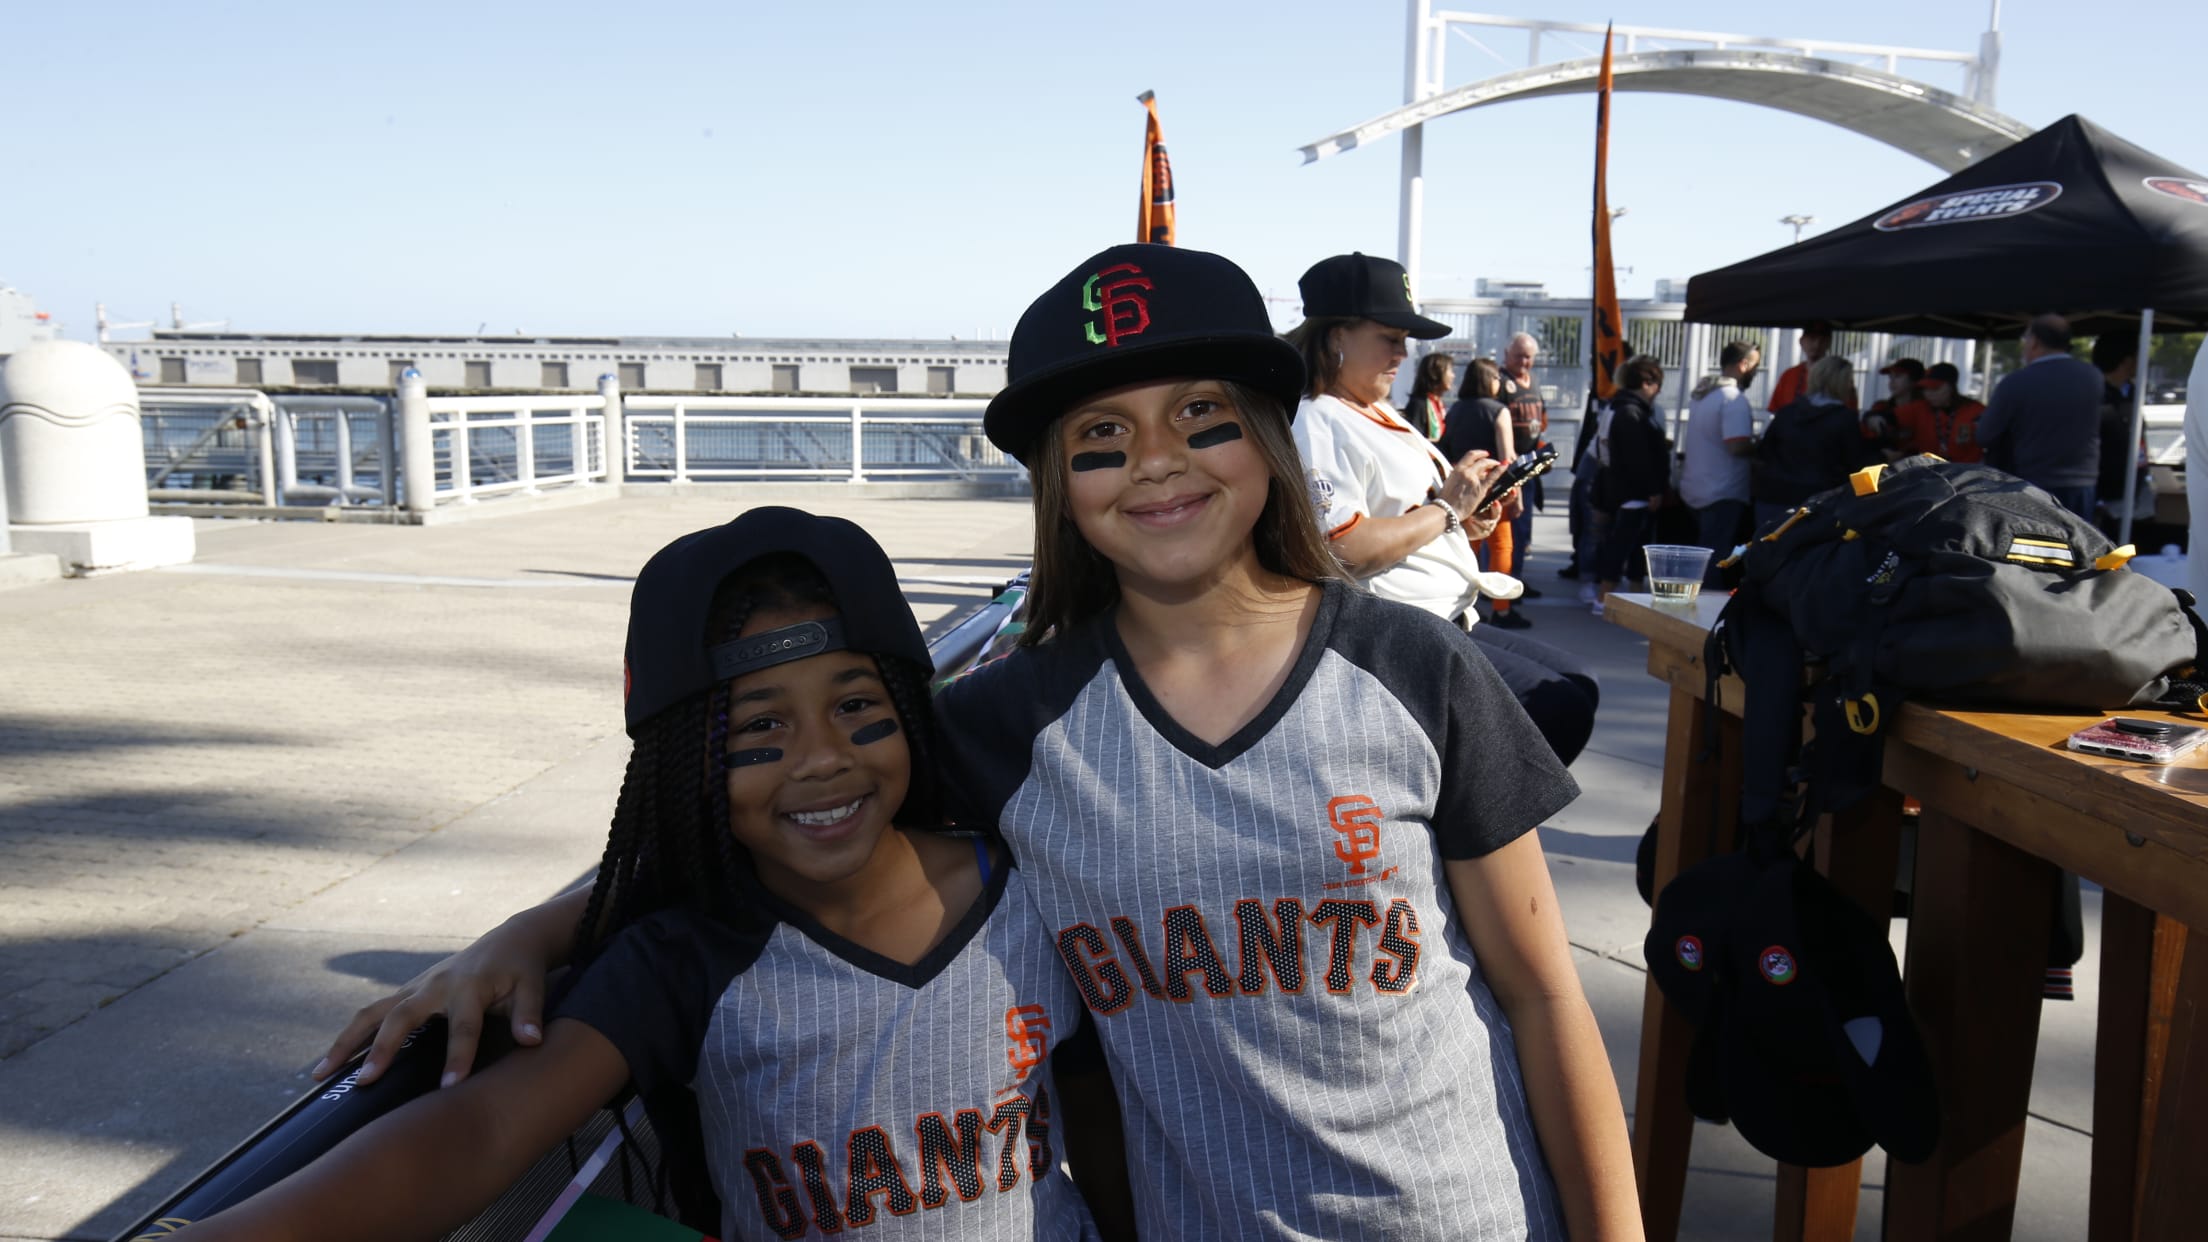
1398,513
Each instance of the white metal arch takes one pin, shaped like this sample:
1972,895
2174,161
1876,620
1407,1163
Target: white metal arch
1824,79
1942,128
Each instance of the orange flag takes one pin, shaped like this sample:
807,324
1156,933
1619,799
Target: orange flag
1609,342
1155,224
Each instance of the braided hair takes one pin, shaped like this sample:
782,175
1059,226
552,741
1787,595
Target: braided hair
669,844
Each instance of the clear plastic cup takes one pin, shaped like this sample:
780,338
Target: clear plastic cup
1675,572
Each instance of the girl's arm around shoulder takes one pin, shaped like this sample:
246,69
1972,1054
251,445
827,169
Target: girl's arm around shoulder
428,1167
1511,917
504,969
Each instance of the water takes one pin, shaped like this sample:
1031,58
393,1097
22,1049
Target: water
1675,590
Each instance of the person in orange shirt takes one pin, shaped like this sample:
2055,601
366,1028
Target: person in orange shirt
1815,340
1941,420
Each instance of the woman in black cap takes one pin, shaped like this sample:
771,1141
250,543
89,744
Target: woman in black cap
1396,511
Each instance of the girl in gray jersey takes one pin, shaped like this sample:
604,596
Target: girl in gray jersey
854,1015
1278,830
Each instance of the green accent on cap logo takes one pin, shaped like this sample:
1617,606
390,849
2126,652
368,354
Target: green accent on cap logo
1118,292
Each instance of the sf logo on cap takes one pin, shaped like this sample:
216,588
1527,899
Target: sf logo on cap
1118,292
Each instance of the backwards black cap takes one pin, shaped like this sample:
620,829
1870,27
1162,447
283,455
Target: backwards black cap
1133,314
670,655
1359,286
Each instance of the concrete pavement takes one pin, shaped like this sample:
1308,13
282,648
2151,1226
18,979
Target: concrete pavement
239,800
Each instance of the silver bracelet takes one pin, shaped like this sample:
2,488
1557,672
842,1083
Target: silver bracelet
1451,524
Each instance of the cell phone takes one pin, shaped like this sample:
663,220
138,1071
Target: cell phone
2144,741
1525,466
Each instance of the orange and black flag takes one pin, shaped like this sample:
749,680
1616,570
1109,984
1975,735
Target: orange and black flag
1156,222
1609,342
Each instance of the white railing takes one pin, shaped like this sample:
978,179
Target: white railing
490,445
258,448
685,439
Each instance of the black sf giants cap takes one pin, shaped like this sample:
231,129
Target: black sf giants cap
1359,286
1819,1056
670,655
1131,315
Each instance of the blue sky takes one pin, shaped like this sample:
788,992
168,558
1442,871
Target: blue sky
897,169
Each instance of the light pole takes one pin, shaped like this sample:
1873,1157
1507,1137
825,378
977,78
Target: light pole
1799,223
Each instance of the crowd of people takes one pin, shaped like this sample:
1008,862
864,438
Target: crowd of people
2058,421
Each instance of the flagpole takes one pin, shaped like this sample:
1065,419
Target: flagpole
2138,428
1606,351
1154,221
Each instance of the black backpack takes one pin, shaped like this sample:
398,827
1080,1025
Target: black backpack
1956,584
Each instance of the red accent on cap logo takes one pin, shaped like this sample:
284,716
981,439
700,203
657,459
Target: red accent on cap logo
1689,952
1118,292
1777,965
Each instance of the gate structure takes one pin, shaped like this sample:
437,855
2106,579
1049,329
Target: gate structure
1857,86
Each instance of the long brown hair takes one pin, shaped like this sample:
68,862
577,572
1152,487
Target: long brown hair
1073,582
1322,362
1482,378
1429,382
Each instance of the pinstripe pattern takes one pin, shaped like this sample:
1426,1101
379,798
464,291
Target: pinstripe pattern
1362,1114
806,1045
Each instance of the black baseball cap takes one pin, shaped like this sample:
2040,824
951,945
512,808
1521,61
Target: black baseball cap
1943,372
669,653
1360,286
1130,315
1818,1053
1685,955
1910,367
1686,935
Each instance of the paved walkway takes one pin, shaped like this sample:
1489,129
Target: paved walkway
239,799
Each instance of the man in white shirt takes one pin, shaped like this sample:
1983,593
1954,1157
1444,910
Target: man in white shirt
1719,436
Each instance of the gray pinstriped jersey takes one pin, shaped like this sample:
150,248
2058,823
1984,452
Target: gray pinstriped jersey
845,1094
1302,1040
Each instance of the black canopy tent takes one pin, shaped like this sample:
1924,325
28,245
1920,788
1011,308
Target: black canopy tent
2072,219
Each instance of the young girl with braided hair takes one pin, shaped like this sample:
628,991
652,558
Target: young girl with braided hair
1278,830
850,1012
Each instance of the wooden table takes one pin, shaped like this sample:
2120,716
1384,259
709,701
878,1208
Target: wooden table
2005,807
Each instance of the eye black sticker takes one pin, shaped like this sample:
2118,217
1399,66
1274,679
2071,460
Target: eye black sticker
1214,436
751,758
867,735
1084,462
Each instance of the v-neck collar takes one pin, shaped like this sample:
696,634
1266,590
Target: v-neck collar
915,975
1386,418
1203,752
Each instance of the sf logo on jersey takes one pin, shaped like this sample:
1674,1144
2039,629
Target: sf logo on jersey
1358,820
1028,1027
